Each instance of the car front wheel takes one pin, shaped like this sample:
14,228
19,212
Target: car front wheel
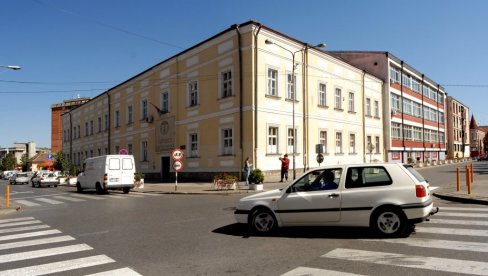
262,221
78,188
389,222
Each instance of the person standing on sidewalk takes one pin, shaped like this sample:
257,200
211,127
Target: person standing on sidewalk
285,164
247,170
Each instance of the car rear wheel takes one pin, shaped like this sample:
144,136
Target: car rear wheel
78,188
100,191
262,221
126,190
389,222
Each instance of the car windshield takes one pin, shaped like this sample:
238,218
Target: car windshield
22,175
50,175
415,173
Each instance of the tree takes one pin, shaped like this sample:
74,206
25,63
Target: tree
8,162
63,164
24,162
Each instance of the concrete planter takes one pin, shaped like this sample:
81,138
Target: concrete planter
139,184
256,187
72,181
63,180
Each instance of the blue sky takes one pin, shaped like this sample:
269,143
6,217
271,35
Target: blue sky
68,48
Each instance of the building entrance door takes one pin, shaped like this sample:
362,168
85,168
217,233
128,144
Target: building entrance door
165,163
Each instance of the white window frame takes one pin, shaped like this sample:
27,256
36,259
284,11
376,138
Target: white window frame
291,87
144,109
368,107
338,142
130,114
352,143
272,82
323,140
394,75
351,102
225,138
377,144
377,109
338,98
144,152
322,94
193,93
396,132
290,139
164,100
395,102
193,144
226,88
272,137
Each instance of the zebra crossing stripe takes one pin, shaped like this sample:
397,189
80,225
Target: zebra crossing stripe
73,199
27,203
95,197
28,235
113,196
15,219
308,271
133,195
58,266
463,209
43,253
402,260
440,244
122,271
459,222
4,246
25,228
465,215
20,223
452,231
50,201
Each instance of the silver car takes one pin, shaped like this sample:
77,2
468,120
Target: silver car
20,178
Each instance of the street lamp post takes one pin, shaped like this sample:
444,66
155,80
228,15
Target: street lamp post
321,45
13,67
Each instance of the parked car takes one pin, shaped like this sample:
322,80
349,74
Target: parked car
388,198
45,179
20,178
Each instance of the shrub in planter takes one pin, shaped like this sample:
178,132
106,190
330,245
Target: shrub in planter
139,176
256,176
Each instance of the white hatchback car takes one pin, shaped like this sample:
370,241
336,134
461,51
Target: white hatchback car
385,197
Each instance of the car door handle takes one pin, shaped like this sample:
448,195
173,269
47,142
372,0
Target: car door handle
333,195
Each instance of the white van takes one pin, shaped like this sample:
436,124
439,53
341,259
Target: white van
107,172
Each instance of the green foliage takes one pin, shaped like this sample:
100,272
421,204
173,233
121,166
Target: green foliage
24,162
410,160
138,176
256,176
63,164
8,162
226,177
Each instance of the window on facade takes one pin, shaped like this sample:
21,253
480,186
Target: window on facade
106,121
368,107
427,137
394,75
395,102
407,132
407,81
91,127
376,109
99,124
291,89
352,143
338,98
193,141
99,151
396,132
79,131
129,148
426,90
323,140
351,102
117,118
226,84
144,156
117,149
272,82
377,144
193,93
91,153
86,129
291,139
368,142
227,139
272,140
322,94
407,106
129,115
144,109
415,85
417,133
338,143
417,110
165,101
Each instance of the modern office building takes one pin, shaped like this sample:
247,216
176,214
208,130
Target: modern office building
19,149
414,107
57,110
249,91
458,145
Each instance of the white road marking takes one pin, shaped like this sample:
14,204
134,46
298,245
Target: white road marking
465,215
122,272
458,222
308,271
133,195
462,209
50,201
113,196
452,231
441,244
43,253
27,202
68,198
20,223
422,262
11,245
28,235
15,219
25,228
58,266
95,197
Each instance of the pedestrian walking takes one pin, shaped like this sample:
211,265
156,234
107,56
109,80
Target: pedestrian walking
247,170
285,164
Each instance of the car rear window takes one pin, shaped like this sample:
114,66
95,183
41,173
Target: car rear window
361,177
415,173
127,164
114,164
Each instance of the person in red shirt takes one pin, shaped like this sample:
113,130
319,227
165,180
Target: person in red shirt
285,164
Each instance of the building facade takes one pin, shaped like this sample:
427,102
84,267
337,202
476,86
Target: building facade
230,97
458,145
476,138
414,107
19,149
57,110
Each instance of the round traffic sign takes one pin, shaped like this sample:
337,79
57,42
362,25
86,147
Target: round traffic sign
320,158
177,165
123,152
177,154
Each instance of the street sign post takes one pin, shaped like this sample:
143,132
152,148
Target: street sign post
123,152
177,155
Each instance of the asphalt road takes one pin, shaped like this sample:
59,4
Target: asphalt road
196,235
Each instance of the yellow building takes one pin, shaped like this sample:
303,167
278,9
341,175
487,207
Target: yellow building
231,97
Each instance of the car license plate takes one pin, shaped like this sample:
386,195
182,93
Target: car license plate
114,180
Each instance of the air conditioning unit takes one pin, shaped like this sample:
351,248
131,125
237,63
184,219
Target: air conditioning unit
149,119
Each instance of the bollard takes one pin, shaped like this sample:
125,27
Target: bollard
7,196
472,174
466,170
458,184
469,184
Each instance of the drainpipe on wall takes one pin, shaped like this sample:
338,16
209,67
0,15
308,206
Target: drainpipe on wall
438,124
241,97
70,138
401,108
109,121
364,116
255,134
423,121
305,144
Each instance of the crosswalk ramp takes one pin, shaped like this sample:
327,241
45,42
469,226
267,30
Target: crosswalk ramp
30,247
454,231
65,198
